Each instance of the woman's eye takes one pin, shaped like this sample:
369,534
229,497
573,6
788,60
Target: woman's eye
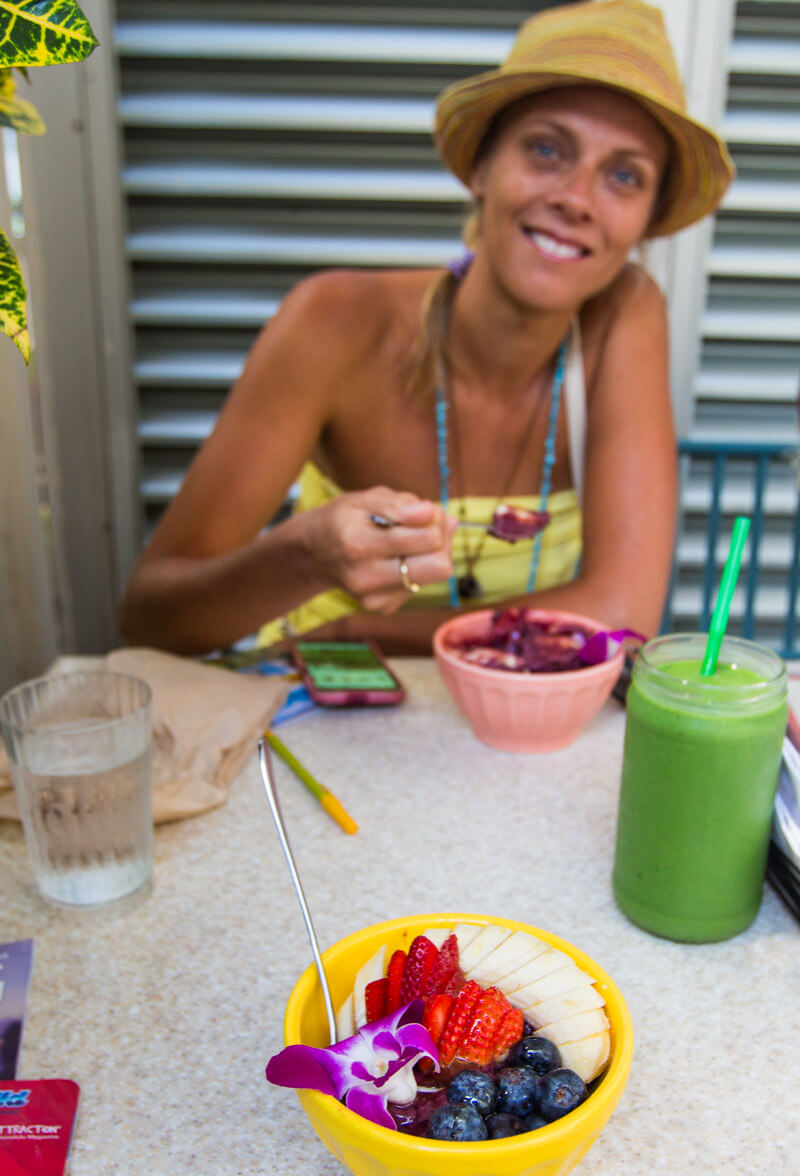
543,150
626,177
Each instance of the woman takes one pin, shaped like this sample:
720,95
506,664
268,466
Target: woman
539,377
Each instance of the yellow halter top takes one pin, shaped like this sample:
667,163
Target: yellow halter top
503,567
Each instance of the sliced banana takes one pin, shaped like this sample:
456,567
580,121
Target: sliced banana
550,960
587,1056
373,969
566,1004
575,1028
345,1025
506,958
481,947
565,979
465,933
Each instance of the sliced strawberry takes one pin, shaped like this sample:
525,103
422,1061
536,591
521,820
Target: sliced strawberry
419,961
456,982
477,1042
437,1010
394,975
443,967
375,998
460,1018
508,1033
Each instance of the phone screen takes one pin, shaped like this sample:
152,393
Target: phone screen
352,666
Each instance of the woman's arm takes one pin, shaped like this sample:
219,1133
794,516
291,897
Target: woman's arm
630,488
211,574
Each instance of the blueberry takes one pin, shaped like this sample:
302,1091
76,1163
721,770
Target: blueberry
458,1123
535,1120
502,1125
516,1089
560,1092
475,1089
537,1052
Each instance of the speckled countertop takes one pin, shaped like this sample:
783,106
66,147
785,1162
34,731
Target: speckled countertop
166,1013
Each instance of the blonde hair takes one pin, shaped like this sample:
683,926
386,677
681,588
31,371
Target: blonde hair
430,358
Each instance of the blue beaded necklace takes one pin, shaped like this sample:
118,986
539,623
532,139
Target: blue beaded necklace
547,468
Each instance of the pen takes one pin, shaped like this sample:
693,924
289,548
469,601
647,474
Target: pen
328,801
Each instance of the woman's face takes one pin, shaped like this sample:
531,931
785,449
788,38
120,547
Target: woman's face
567,188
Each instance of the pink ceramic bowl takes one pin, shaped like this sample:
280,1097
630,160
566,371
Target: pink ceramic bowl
518,711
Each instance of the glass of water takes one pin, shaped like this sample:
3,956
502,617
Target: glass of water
79,746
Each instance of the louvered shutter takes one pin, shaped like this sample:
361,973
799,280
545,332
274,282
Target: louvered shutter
262,142
749,378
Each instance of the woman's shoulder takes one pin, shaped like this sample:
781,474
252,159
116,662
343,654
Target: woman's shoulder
364,302
634,297
633,306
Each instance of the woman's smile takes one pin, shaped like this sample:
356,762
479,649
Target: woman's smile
554,247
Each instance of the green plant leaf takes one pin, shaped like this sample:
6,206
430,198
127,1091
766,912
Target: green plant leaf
43,32
13,320
16,112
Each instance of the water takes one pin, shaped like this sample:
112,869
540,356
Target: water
90,832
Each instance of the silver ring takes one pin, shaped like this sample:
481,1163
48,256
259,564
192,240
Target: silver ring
409,584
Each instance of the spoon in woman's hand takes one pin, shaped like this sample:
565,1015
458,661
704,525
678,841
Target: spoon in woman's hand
509,523
265,766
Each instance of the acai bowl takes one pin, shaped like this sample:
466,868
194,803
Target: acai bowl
514,707
366,1148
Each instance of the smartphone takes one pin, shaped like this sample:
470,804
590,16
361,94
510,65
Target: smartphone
346,673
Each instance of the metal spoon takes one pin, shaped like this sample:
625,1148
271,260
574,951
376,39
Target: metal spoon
385,524
538,521
265,765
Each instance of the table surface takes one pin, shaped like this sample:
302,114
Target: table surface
167,1012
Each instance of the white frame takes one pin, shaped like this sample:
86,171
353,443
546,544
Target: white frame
27,624
701,33
78,306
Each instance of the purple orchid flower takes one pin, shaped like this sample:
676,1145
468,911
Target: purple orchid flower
368,1070
602,646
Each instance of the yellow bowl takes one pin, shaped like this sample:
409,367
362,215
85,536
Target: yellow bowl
369,1150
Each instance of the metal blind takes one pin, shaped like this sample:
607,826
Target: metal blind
749,377
263,141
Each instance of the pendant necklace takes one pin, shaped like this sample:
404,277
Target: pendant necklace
467,586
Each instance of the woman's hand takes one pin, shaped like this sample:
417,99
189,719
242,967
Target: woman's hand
347,549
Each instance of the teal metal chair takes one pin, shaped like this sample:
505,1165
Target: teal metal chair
731,478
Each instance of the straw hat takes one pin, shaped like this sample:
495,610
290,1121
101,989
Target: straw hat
622,44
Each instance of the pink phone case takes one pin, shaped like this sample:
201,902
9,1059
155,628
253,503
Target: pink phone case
349,697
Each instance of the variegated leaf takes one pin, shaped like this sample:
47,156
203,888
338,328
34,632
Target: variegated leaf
43,32
13,321
15,112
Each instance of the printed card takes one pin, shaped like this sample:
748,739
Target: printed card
36,1125
16,961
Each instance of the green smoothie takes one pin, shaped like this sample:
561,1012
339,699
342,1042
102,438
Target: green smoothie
699,777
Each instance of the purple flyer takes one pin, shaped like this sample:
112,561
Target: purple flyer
16,960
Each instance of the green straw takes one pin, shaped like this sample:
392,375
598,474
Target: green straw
730,574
